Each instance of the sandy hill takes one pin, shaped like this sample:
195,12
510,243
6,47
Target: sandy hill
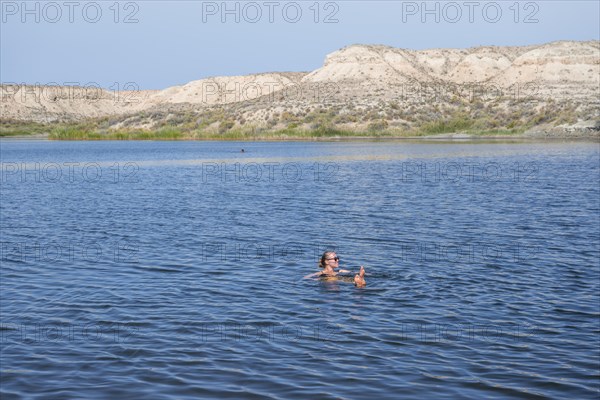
354,80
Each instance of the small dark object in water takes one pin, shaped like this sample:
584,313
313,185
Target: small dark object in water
242,151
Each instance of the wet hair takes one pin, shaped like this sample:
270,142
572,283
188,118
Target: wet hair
324,257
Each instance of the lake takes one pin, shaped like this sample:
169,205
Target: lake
173,270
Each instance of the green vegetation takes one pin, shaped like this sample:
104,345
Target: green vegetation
14,128
260,122
76,132
456,124
84,133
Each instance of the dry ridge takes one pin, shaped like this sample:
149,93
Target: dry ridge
550,88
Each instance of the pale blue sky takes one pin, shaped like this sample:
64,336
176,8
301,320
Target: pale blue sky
171,43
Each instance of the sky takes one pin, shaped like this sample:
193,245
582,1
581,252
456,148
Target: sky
156,44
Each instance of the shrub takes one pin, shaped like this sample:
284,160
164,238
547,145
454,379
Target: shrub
377,126
455,124
224,126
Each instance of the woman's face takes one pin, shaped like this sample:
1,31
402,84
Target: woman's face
332,260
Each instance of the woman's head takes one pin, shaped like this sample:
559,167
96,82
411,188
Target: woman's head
329,258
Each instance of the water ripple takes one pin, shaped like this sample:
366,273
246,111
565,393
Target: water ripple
176,286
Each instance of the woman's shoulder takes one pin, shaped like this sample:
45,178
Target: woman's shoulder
326,274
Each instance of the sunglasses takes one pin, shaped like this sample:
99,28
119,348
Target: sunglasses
334,258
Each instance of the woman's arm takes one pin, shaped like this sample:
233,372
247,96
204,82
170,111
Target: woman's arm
343,270
311,275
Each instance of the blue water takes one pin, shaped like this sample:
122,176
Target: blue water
173,270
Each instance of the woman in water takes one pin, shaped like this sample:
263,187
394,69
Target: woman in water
330,262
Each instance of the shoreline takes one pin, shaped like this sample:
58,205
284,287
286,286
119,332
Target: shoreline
453,137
